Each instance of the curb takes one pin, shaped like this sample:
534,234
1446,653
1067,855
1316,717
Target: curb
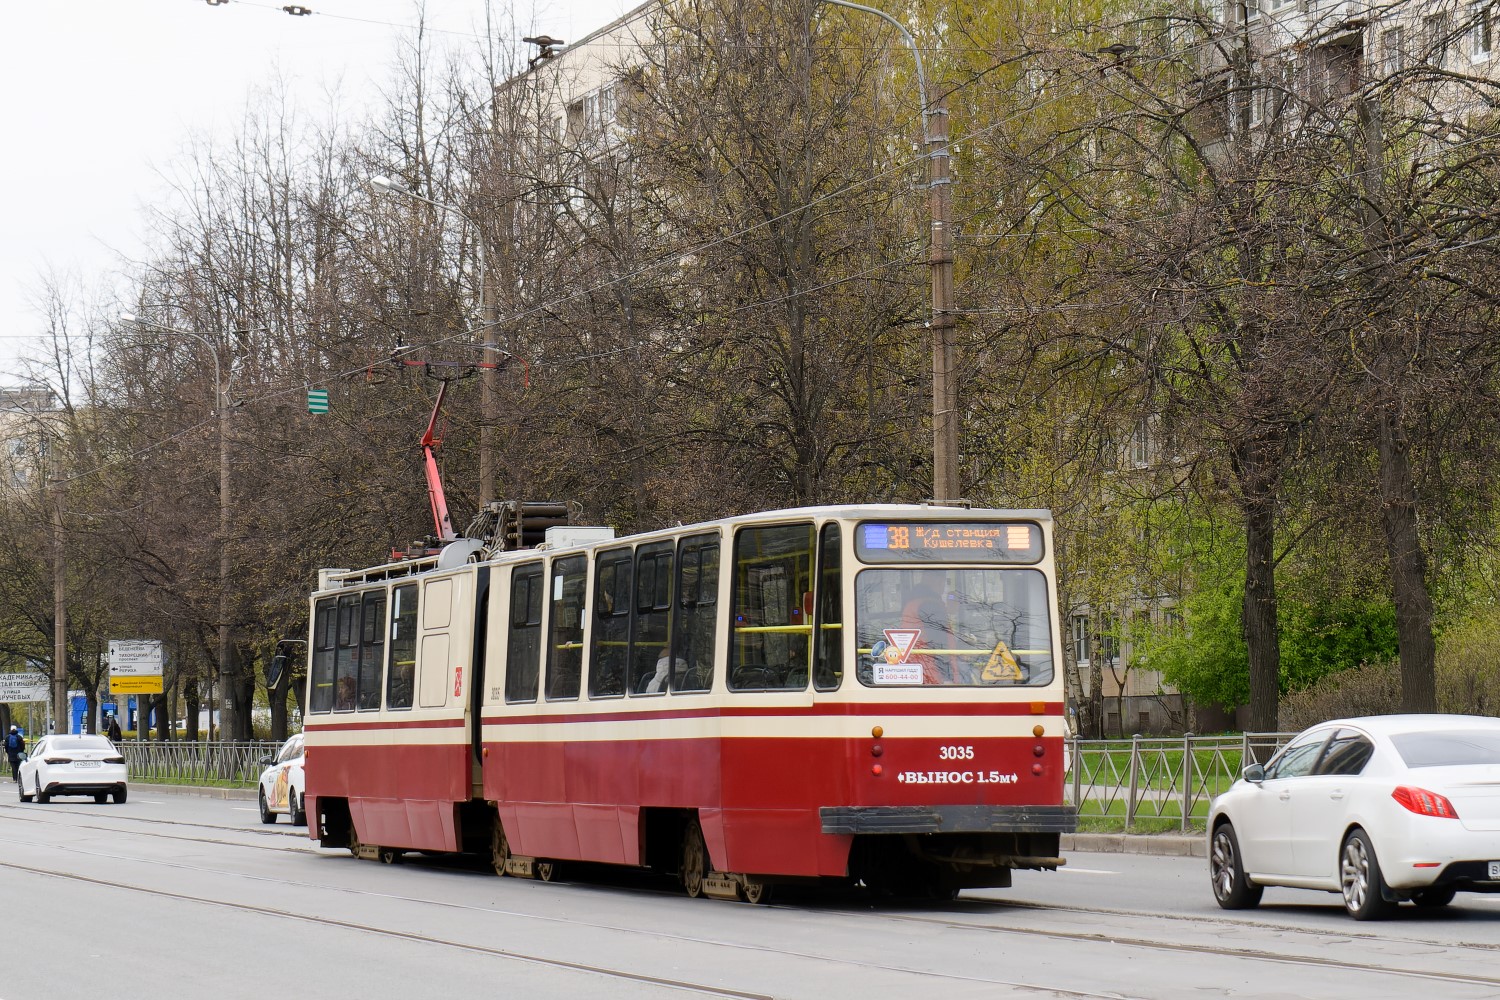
1158,844
197,791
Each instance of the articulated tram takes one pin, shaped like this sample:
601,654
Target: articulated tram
860,693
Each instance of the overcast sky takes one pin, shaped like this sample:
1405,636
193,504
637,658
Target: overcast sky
101,96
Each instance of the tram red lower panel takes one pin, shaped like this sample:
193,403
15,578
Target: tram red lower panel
399,796
757,799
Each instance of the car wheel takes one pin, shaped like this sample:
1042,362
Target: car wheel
694,864
266,815
298,807
21,791
1360,878
1226,870
41,796
99,797
119,795
1434,897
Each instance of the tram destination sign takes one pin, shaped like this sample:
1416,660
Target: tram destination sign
135,666
30,685
949,541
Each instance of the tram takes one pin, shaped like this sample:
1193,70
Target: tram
850,694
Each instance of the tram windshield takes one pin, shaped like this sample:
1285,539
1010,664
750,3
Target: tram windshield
953,627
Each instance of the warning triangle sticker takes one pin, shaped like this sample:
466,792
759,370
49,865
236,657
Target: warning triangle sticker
903,639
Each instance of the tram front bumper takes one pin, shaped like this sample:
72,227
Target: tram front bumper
949,819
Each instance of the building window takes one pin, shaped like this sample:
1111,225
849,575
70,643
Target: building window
1483,37
1393,58
1435,39
1081,638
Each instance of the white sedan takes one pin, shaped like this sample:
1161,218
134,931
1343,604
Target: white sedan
73,765
282,784
1380,809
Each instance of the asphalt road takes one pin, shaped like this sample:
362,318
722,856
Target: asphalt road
170,894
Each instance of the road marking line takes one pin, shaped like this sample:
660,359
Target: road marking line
1070,870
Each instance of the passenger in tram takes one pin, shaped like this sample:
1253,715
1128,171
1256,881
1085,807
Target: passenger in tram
344,702
665,665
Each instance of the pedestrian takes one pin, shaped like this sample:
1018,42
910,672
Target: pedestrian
15,747
114,729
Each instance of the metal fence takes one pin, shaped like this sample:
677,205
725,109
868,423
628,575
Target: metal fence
177,763
1167,781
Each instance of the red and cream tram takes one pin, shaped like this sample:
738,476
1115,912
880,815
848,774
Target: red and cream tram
851,693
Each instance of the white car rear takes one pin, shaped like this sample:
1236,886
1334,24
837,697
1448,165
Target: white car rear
73,765
1382,810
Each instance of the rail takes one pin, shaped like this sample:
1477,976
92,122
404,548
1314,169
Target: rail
1166,780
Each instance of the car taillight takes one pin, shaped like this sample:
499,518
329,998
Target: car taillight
1424,803
58,760
114,760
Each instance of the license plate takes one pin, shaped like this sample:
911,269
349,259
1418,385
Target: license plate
1495,869
86,763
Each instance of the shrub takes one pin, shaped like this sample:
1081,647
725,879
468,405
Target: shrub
1368,689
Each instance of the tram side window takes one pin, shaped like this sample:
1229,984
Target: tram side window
325,645
371,651
523,650
695,631
650,654
772,605
611,636
347,665
565,628
828,651
403,674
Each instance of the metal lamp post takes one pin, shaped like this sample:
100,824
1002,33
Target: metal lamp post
945,479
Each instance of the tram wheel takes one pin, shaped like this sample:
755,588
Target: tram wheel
499,848
694,865
388,855
756,891
546,870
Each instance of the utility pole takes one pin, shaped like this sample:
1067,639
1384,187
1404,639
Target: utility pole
59,614
945,479
228,727
489,314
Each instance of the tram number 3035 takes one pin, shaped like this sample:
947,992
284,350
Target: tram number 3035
956,753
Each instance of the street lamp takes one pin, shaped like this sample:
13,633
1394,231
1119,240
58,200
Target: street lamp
945,481
489,318
222,408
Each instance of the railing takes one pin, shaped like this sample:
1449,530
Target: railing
1166,780
178,763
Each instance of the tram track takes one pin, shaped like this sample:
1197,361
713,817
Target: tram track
946,920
